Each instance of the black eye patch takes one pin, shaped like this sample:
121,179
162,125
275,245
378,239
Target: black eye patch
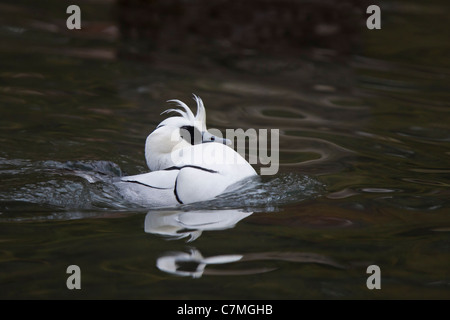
191,134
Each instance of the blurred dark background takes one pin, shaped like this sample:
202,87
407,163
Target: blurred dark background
226,30
236,28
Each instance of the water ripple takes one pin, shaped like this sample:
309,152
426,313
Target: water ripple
57,190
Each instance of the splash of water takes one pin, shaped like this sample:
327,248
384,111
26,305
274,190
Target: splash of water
72,190
266,193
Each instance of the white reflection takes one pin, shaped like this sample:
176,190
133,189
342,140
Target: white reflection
191,264
180,224
194,263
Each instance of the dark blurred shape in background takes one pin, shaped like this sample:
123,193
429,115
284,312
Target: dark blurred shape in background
228,28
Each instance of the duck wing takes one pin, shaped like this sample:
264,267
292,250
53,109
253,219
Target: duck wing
162,179
195,183
153,189
173,186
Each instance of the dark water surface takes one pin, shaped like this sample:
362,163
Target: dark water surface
364,173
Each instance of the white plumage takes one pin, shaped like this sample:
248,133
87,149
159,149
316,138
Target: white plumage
188,164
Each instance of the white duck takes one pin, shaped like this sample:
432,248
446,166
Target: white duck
188,164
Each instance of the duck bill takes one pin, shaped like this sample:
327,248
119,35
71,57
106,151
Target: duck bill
224,141
208,137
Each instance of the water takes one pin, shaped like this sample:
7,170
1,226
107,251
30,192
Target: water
364,162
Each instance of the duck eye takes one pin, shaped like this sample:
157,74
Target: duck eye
213,138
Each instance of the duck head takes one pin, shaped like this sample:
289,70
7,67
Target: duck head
174,133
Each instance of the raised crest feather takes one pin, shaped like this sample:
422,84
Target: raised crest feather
200,117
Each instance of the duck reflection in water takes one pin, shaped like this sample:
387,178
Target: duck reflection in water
194,263
181,224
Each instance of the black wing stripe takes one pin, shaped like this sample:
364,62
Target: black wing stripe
144,184
175,192
193,167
